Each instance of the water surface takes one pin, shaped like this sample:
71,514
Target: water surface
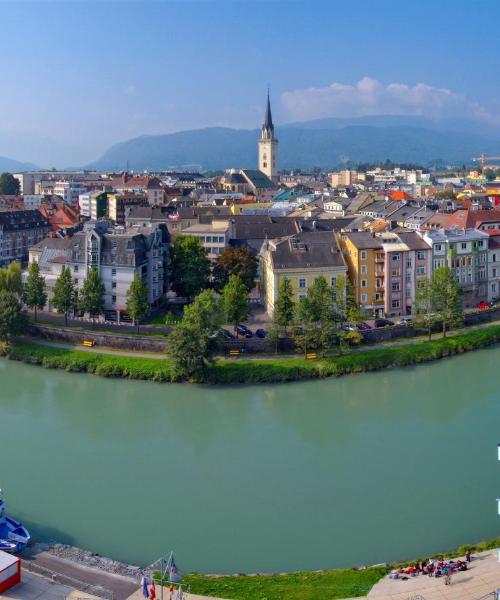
307,475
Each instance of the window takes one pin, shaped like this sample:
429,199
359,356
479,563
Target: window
493,287
113,284
494,257
362,255
113,299
302,296
302,283
396,256
420,255
75,268
408,263
421,270
494,272
378,296
395,304
363,283
395,286
333,281
364,298
437,247
113,272
463,245
395,272
75,281
480,244
364,269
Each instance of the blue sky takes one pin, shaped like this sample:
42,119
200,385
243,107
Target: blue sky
79,76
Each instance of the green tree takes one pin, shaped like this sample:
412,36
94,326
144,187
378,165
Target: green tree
137,300
203,313
425,315
187,346
234,301
320,314
240,261
446,298
65,296
92,295
11,279
284,308
34,291
489,174
12,321
9,185
190,267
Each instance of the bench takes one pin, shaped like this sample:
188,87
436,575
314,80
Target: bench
234,352
88,343
311,355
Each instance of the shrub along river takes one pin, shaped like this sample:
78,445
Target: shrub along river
308,475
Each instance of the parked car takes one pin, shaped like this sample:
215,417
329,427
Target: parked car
225,334
260,333
405,321
348,327
483,305
364,327
382,323
244,331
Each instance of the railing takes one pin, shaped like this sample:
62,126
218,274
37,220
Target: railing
93,590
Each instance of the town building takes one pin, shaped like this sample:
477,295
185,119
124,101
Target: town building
214,235
69,191
20,229
119,203
493,264
465,252
93,205
117,253
268,145
301,258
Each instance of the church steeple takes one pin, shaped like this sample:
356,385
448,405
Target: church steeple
268,144
268,120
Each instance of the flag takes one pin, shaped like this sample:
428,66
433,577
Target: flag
152,590
180,595
174,573
144,585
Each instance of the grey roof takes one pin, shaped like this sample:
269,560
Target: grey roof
307,250
259,227
413,240
258,179
235,178
18,220
363,240
151,213
325,224
403,213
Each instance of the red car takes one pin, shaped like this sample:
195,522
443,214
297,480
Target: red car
483,305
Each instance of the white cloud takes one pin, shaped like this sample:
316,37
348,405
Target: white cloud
370,97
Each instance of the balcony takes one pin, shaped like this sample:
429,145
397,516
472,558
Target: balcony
379,258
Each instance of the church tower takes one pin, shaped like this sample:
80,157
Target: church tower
268,145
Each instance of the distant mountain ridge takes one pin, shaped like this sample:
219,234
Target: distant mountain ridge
13,166
321,143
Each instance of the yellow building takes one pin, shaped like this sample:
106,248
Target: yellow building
365,258
300,258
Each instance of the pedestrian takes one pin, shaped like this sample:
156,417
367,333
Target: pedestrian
468,556
447,577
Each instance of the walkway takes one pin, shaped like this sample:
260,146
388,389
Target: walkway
35,587
482,578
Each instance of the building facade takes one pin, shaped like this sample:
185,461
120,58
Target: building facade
20,229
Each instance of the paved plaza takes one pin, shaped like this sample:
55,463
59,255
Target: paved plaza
35,587
482,578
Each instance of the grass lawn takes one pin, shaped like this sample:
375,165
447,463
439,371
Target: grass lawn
338,583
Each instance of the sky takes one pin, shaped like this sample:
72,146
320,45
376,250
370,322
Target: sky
80,76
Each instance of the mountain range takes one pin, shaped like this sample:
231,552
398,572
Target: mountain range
324,143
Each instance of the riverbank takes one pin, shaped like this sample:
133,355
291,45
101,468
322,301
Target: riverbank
241,371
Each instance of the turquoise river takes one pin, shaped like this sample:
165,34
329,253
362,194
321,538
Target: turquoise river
308,475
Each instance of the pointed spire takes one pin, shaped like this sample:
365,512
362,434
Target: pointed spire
268,121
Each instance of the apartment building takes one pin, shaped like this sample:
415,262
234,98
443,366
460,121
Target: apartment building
214,235
117,253
20,229
465,251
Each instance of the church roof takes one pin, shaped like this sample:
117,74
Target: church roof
268,120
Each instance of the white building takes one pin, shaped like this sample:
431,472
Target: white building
69,191
32,201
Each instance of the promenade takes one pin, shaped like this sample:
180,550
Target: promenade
482,578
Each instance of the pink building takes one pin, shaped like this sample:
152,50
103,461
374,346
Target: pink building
407,260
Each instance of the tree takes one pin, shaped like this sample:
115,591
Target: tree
11,279
137,300
320,314
65,296
92,295
446,298
240,261
190,344
489,174
204,313
425,315
234,301
9,185
34,291
12,321
284,309
190,267
186,348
